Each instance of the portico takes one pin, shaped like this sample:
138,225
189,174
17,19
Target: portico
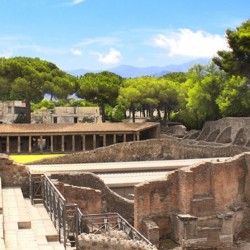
54,138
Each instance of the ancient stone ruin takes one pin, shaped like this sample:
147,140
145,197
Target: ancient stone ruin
199,207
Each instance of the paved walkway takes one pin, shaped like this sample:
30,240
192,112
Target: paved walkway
26,226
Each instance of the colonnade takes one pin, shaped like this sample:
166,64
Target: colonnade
61,143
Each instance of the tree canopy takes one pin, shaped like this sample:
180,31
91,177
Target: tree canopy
236,61
27,79
101,88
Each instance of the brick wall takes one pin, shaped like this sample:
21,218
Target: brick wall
13,174
88,199
111,202
200,206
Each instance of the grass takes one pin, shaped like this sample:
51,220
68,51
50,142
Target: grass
31,158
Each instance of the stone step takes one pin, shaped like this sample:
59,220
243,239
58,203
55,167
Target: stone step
16,212
40,236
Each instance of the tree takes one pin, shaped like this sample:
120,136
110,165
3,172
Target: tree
28,79
101,88
237,60
234,99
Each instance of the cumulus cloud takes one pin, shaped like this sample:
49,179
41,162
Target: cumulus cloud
112,57
7,54
186,42
76,52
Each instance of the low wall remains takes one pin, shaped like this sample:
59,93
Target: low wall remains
13,174
110,201
155,149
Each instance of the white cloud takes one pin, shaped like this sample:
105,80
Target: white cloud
75,2
185,42
112,57
76,52
103,41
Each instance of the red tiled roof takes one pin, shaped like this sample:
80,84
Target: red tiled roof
11,129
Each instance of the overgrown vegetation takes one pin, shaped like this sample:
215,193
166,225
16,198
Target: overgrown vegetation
208,92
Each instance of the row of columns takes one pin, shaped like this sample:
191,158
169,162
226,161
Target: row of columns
136,137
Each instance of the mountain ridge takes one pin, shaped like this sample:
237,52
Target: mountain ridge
129,71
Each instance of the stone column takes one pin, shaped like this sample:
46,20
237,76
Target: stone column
83,142
94,141
62,146
18,144
114,138
134,137
41,143
73,143
30,146
138,136
7,144
52,144
124,137
104,140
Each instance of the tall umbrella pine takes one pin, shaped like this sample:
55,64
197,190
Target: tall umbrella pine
100,88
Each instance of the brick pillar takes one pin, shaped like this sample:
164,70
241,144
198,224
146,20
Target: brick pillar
114,138
138,136
124,137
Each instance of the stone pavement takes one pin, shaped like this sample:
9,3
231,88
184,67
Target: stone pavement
25,226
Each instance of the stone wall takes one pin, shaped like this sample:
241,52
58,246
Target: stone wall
13,174
154,149
233,130
200,207
113,241
111,202
88,200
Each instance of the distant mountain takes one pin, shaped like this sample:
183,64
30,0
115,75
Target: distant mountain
128,71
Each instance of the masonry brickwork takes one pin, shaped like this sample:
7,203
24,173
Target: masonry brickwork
200,207
88,200
13,174
110,201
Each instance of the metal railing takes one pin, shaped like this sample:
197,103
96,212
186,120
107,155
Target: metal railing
70,221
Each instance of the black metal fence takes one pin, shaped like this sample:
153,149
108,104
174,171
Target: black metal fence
70,221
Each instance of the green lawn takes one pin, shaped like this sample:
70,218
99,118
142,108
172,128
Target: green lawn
30,158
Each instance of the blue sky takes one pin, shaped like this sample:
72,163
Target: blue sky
101,34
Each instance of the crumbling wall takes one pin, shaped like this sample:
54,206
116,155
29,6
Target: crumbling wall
155,149
200,207
13,174
111,202
87,199
113,241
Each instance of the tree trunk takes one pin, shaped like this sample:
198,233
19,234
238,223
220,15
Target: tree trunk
28,112
103,112
159,114
165,118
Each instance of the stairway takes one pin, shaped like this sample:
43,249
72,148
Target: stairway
26,226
